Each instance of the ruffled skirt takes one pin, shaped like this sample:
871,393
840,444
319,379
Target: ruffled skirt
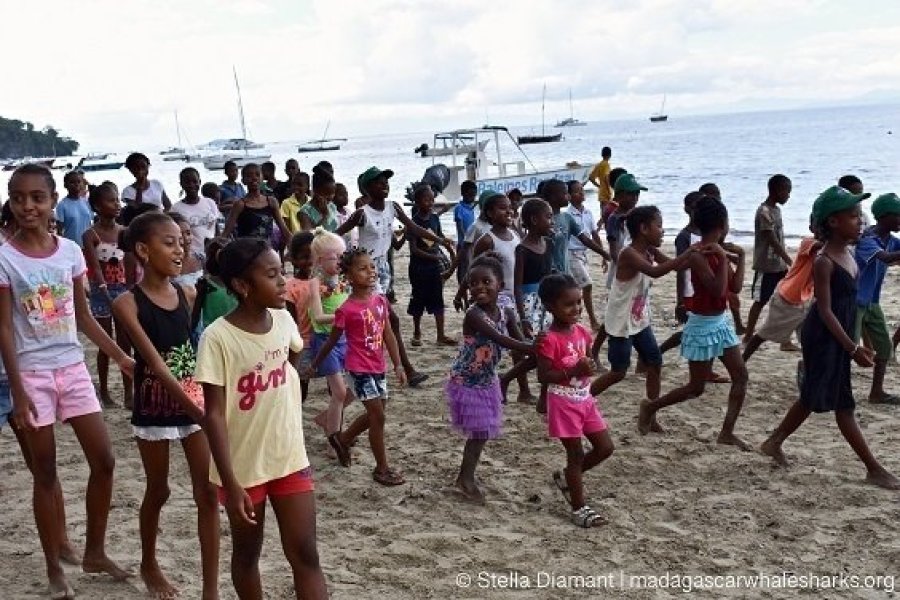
706,337
476,412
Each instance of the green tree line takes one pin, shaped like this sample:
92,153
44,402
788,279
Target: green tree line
19,139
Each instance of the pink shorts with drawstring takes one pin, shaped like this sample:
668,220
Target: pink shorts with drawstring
61,394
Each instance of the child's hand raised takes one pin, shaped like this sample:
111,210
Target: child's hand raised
864,357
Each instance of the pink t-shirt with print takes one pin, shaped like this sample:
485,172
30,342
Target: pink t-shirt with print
564,349
363,323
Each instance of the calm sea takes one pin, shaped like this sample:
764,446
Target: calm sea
739,152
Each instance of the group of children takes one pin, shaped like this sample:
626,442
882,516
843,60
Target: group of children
224,343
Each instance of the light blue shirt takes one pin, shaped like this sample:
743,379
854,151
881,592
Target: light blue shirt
74,216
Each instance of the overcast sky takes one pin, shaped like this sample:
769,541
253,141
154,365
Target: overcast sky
111,72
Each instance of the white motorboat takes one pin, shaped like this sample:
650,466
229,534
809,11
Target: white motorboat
236,149
496,174
100,162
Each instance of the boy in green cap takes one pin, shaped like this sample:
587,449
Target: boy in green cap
375,220
876,250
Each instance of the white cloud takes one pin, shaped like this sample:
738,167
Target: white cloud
110,73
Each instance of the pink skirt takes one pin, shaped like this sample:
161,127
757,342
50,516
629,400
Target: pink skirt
476,412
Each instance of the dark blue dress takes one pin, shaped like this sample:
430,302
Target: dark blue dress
826,381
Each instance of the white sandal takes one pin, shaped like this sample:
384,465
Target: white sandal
585,517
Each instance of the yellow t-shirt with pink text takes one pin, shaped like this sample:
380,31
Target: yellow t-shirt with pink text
263,414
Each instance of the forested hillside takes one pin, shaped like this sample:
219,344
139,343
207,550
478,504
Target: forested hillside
20,138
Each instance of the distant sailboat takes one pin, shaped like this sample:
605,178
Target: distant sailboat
661,116
238,150
570,121
178,152
325,144
543,138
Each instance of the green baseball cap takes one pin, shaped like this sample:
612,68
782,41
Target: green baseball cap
370,175
834,200
886,204
627,183
487,195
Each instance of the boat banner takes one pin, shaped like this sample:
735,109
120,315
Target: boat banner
527,184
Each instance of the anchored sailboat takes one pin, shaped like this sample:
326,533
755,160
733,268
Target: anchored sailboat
570,121
325,144
238,150
543,138
661,116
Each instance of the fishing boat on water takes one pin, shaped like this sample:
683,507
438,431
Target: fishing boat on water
544,137
570,121
325,144
237,150
493,173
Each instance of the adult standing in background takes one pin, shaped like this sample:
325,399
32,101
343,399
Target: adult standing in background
599,176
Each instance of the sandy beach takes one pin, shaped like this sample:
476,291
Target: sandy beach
675,503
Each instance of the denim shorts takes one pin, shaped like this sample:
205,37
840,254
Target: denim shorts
368,386
383,271
5,402
334,362
643,341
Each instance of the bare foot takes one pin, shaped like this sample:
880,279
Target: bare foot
646,416
655,427
526,398
446,341
471,491
883,479
771,448
789,347
69,554
59,588
104,564
729,439
158,586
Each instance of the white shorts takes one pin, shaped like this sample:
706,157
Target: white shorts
579,268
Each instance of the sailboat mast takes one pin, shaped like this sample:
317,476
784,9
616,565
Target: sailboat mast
325,134
571,107
543,103
240,107
177,129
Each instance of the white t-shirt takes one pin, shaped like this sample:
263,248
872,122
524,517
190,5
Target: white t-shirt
377,230
476,230
43,312
202,217
586,219
152,195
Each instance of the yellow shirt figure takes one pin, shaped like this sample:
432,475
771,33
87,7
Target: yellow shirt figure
290,211
263,413
600,177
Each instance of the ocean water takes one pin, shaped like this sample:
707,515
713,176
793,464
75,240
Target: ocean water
739,152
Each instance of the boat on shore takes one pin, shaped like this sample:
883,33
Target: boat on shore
236,150
543,138
570,121
494,173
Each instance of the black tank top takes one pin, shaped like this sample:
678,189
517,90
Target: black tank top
537,266
170,333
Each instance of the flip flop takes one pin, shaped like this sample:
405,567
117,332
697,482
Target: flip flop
890,399
415,342
416,379
388,477
342,452
562,486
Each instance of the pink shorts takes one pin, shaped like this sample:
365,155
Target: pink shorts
295,483
61,394
572,419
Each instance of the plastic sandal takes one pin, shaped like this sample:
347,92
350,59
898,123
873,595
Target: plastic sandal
585,517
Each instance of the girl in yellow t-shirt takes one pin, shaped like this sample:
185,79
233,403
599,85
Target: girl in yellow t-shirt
254,419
